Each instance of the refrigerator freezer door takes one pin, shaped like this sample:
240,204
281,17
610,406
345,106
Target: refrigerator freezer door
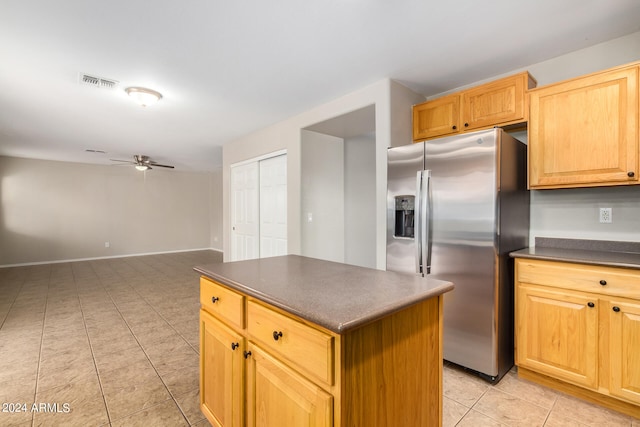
403,166
464,209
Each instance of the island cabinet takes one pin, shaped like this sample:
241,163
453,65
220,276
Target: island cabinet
583,132
578,329
263,366
497,103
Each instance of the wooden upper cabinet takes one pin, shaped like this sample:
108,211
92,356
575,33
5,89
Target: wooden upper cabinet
500,102
436,118
584,132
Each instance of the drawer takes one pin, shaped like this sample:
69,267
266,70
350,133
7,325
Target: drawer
305,347
614,281
222,302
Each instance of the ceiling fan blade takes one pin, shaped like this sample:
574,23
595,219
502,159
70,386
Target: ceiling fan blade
124,161
160,166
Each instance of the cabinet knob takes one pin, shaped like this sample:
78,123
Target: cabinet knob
590,304
616,308
631,174
454,127
214,299
234,345
247,354
603,282
277,335
466,125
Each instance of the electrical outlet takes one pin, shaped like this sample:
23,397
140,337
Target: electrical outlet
605,216
107,244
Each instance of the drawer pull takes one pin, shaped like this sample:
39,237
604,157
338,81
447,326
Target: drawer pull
590,304
603,282
631,174
454,127
616,308
214,299
234,345
277,335
247,354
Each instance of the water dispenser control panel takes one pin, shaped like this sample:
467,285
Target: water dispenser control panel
404,216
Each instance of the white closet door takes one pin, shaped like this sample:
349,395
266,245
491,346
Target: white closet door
245,212
273,206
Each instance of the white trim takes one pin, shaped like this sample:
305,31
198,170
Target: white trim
263,157
107,257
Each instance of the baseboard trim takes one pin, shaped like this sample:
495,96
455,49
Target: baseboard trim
26,264
580,392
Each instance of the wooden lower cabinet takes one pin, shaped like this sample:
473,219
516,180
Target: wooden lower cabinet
578,330
624,348
279,396
278,370
221,372
558,334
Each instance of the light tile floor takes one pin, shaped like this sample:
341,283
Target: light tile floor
115,343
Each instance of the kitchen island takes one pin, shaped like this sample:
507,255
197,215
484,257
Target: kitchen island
296,341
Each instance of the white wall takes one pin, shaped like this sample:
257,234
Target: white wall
393,127
59,211
215,209
322,196
360,198
388,98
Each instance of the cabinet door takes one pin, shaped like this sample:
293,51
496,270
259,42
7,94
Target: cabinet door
556,334
436,118
624,349
584,132
278,396
221,372
494,103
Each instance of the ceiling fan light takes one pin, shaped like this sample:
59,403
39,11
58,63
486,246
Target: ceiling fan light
142,167
143,96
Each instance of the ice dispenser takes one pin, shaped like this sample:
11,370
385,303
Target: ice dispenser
404,216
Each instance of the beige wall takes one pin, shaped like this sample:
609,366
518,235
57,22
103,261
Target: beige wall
60,211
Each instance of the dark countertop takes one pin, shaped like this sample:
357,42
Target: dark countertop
339,297
593,252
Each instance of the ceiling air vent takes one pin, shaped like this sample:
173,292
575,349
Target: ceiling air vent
96,81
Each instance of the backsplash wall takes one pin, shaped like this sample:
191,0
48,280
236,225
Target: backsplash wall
574,213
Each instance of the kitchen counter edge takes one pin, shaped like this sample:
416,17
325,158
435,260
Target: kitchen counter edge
321,314
581,256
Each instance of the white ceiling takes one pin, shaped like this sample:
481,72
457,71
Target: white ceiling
227,68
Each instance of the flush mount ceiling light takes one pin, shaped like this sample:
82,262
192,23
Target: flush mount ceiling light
143,96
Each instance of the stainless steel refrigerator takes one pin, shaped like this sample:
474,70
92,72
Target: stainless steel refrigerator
456,207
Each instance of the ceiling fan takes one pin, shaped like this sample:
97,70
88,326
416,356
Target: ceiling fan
142,163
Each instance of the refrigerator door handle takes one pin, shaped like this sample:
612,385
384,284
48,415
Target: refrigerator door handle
417,235
426,210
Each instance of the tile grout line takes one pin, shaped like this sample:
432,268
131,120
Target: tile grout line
176,331
141,348
93,356
163,318
44,316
